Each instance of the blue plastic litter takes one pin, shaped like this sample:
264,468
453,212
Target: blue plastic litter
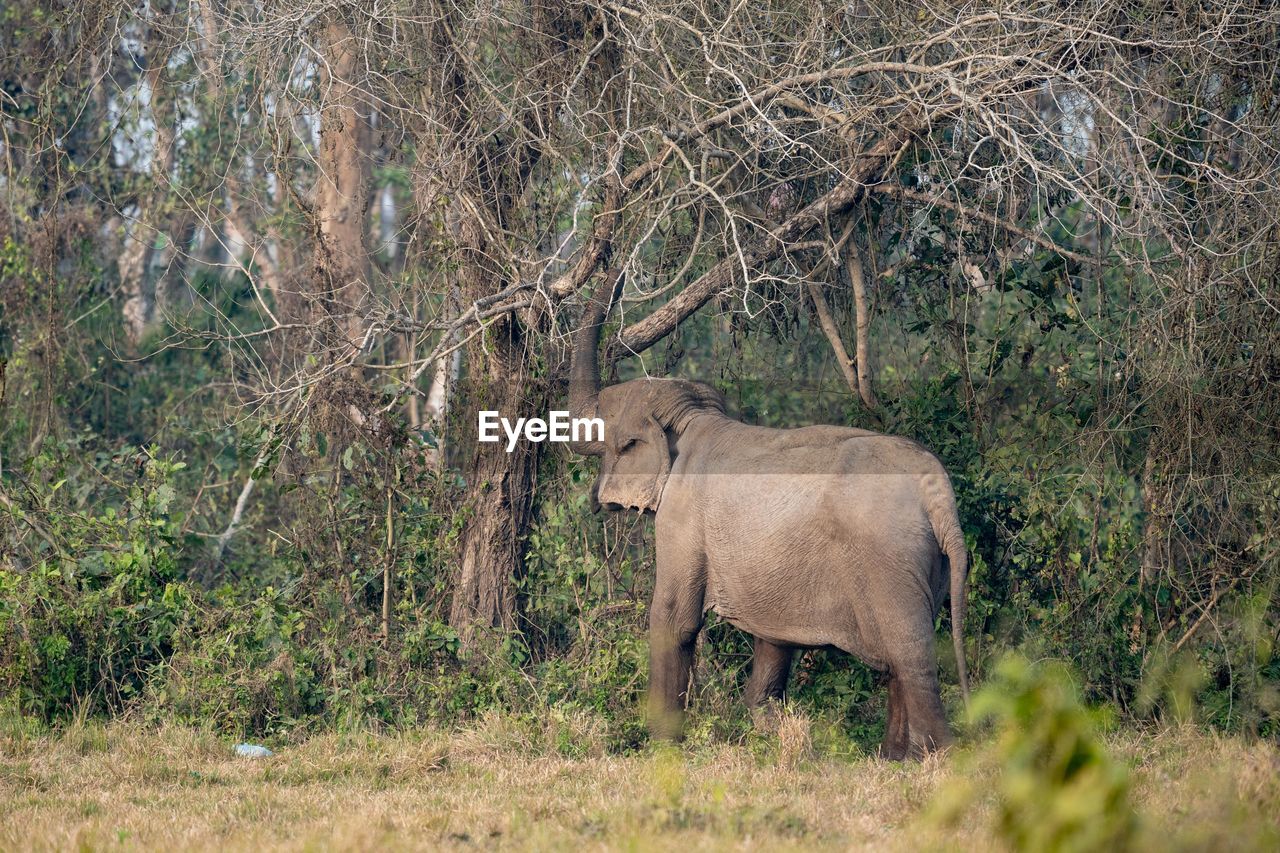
252,750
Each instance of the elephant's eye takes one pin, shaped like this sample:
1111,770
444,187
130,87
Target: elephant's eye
627,445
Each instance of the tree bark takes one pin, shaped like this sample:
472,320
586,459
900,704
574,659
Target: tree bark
342,193
492,551
829,329
501,484
862,323
135,260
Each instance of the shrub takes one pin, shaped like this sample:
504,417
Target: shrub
1057,788
83,627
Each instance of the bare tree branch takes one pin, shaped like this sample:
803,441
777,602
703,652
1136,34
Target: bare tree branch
833,336
964,211
853,264
640,336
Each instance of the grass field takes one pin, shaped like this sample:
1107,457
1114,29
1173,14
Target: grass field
131,787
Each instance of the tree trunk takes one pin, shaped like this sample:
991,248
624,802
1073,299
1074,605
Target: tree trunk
502,487
493,545
829,328
133,264
135,260
500,484
481,180
342,194
434,415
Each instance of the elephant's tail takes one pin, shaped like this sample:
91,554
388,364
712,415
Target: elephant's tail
946,528
958,557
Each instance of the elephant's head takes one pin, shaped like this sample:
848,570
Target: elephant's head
643,418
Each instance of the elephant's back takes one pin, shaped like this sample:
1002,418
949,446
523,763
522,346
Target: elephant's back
739,449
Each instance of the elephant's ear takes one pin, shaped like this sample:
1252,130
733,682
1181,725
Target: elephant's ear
636,473
660,452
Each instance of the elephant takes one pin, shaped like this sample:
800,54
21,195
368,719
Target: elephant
816,537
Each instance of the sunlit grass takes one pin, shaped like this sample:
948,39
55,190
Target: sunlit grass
128,786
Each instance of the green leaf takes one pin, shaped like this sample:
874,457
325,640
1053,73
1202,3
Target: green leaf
164,496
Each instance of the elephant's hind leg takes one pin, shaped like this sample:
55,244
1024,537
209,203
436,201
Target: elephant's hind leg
897,739
770,666
915,706
927,729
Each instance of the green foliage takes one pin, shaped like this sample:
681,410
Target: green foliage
86,627
1056,787
245,668
109,602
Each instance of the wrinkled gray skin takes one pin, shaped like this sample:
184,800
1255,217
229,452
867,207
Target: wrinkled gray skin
819,537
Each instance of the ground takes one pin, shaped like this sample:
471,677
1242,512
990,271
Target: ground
136,786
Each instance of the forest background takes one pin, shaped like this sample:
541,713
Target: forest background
260,264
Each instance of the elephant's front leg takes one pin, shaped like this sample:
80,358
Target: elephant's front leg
770,667
674,621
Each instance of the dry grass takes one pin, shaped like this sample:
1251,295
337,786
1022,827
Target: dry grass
122,786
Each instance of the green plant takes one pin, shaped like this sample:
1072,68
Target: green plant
1056,788
85,626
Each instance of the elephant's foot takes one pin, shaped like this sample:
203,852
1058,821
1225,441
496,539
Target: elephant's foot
916,724
666,724
766,716
926,744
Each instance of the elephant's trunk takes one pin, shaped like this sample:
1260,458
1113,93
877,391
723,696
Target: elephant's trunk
584,369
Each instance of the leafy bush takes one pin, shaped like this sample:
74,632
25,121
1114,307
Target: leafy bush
244,668
1056,787
84,628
